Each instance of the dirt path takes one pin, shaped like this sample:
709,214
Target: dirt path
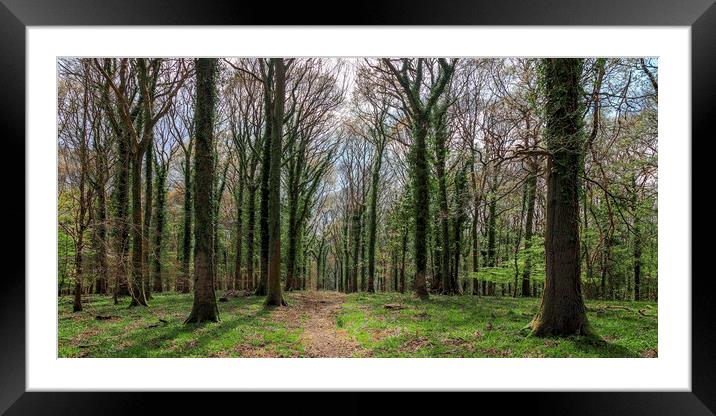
315,313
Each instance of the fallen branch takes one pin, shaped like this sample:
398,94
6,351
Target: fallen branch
619,307
105,317
161,321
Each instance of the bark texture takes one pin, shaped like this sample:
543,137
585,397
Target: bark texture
562,311
204,307
274,297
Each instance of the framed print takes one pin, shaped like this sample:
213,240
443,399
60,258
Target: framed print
484,198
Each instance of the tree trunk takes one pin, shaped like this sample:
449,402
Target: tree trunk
204,307
291,283
529,220
421,204
186,236
137,292
219,184
250,236
77,303
346,255
460,188
261,289
585,246
83,202
606,278
436,259
637,250
148,197
443,214
239,232
394,264
404,249
475,241
362,251
121,218
373,220
101,240
562,311
491,230
159,227
355,233
274,296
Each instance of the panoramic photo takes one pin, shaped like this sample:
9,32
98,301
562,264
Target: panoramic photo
364,207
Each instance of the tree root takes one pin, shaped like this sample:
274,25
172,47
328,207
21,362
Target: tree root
273,303
586,331
193,319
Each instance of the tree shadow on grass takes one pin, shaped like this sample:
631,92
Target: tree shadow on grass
151,341
154,340
601,348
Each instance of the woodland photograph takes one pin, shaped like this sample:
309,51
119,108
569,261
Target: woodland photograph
382,207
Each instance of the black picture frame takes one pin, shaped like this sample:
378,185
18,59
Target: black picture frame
16,15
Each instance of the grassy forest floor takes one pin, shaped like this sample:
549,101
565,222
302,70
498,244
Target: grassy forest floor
331,324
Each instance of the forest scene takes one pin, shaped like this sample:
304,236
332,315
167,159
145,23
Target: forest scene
357,207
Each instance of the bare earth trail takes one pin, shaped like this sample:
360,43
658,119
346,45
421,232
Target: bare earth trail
315,312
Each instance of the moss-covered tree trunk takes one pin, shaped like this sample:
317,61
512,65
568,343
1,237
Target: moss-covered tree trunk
404,251
186,233
363,280
147,223
83,205
394,269
562,311
459,219
637,243
219,185
373,220
421,204
261,288
346,284
474,232
250,227
77,301
607,282
355,234
435,258
137,284
420,111
239,231
274,297
492,230
159,207
100,237
291,282
529,229
637,260
121,218
443,214
204,307
120,189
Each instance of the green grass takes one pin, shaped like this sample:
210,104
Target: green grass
468,326
245,326
456,326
